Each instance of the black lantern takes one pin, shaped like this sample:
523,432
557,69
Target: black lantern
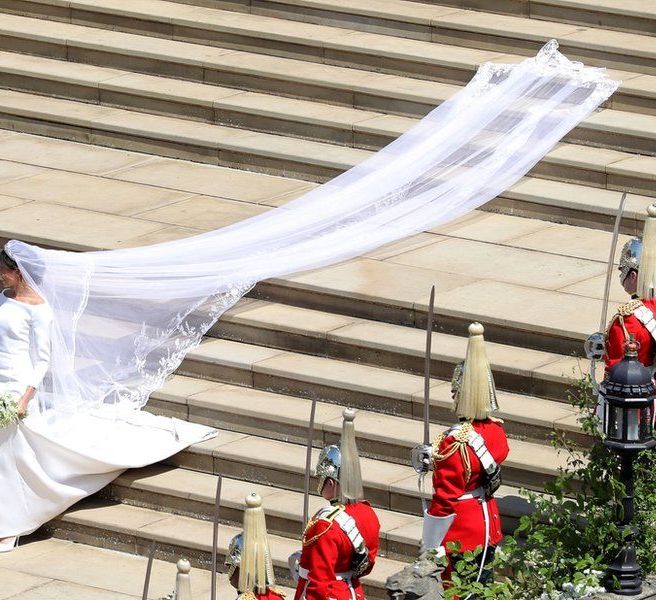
627,395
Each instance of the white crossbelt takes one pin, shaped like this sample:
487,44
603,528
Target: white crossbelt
476,442
646,317
350,528
304,573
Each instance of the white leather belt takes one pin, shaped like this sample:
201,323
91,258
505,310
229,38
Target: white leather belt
646,317
477,493
304,573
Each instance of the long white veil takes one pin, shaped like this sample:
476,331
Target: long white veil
124,319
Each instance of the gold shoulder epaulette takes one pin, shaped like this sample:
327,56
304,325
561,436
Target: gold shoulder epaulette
460,434
327,514
247,596
628,308
278,591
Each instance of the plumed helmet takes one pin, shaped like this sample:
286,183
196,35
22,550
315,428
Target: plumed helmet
472,386
630,257
342,463
253,556
328,464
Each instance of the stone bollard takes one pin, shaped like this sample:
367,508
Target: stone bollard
183,581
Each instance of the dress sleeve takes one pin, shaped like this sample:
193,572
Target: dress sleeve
40,344
448,484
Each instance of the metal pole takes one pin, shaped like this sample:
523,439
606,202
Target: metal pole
215,534
427,365
624,576
611,261
308,463
149,569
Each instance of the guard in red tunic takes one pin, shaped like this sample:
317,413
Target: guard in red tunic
636,318
466,461
249,560
340,542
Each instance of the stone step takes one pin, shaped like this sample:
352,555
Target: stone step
382,391
132,529
387,485
391,346
246,410
275,154
324,80
521,34
192,493
475,34
635,16
619,130
218,196
52,569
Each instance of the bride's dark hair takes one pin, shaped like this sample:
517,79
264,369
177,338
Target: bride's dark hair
7,261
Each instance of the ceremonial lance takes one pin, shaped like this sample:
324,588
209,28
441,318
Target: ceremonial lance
595,345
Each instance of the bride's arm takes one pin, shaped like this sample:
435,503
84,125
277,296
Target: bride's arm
25,400
40,355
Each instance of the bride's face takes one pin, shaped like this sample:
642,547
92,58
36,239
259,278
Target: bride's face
9,278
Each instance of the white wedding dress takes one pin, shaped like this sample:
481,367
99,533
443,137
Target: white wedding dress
48,464
124,320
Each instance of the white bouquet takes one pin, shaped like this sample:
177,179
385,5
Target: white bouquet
8,409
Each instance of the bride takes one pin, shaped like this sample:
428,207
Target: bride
25,321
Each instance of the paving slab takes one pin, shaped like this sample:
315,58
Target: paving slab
67,156
539,310
479,260
207,180
10,202
13,171
102,195
78,568
166,234
490,227
202,212
14,584
365,277
71,228
595,286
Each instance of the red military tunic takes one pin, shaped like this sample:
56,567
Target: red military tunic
327,552
623,323
450,482
271,594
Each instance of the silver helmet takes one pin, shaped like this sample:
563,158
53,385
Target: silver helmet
233,557
328,465
630,257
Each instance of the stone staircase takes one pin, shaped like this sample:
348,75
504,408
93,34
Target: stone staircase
129,99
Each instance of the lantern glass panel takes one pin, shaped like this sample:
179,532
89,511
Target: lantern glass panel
646,423
633,424
615,422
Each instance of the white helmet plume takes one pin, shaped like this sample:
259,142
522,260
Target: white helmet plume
647,271
350,476
475,396
255,569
